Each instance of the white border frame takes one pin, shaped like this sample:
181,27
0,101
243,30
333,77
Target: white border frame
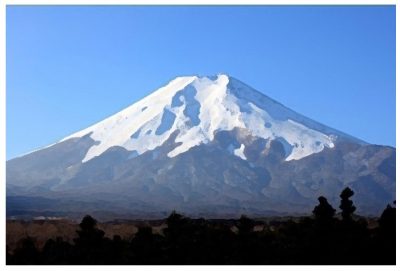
3,5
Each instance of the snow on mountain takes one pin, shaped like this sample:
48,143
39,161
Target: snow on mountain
200,106
205,146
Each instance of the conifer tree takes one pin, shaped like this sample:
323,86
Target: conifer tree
346,204
324,212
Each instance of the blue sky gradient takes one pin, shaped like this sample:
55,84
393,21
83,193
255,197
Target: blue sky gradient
71,66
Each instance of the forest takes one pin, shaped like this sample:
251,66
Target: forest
326,237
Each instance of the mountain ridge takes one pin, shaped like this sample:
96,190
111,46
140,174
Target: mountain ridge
205,145
198,90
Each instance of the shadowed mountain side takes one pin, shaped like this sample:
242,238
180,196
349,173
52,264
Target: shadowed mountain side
48,167
211,182
203,145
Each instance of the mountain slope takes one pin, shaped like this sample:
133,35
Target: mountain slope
197,108
205,145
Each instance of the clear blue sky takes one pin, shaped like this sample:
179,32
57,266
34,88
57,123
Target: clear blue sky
69,67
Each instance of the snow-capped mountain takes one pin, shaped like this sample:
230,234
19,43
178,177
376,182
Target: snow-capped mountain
173,137
199,107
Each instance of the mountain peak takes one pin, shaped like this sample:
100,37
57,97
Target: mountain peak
204,144
199,106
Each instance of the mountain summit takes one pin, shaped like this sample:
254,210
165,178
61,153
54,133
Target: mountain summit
206,146
197,108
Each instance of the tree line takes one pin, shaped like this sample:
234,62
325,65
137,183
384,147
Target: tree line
322,238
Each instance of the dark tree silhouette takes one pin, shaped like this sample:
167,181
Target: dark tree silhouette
89,234
385,239
146,246
387,221
246,241
245,225
27,253
9,257
88,223
351,236
346,205
323,239
90,244
176,223
177,238
324,212
57,251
